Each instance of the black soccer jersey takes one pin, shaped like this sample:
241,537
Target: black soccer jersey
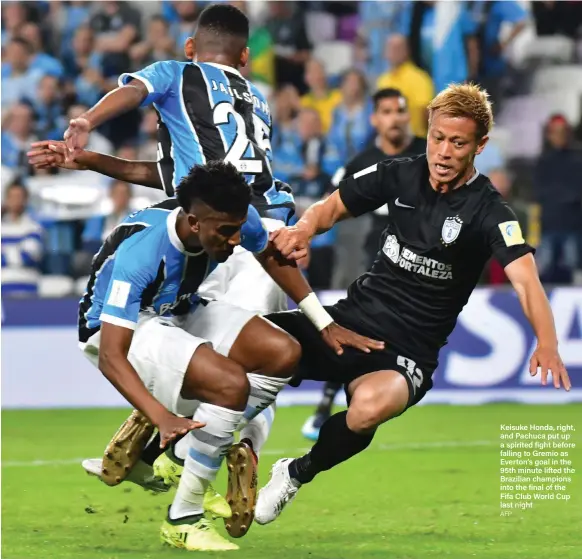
434,248
374,154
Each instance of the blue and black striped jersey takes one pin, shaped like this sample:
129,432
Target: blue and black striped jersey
143,265
209,112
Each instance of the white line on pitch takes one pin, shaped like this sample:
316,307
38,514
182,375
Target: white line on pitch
277,452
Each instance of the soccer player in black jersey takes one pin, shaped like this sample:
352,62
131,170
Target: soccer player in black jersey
391,119
445,221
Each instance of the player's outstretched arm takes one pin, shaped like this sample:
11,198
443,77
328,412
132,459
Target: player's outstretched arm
293,242
291,280
50,153
116,102
523,275
113,363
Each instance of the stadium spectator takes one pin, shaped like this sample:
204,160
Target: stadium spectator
47,104
557,18
378,20
67,18
310,185
84,67
557,190
351,129
185,24
21,244
286,108
17,135
98,228
116,26
40,59
320,96
158,44
489,17
286,25
450,56
14,15
413,82
19,78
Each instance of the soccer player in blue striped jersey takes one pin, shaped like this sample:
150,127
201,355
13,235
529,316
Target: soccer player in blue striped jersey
185,363
207,111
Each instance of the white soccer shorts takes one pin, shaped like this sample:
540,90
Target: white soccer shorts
162,348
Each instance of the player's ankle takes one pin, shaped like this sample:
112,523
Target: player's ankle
250,444
176,517
299,470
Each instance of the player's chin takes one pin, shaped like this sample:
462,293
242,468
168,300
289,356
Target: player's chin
443,174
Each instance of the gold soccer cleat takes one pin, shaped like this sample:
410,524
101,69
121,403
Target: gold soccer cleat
125,448
241,494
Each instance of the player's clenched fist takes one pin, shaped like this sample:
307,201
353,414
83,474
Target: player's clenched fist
291,242
171,427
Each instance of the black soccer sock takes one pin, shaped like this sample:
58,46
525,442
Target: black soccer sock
330,389
336,443
152,450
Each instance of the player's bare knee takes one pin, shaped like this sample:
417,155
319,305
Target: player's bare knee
370,408
234,387
364,415
289,354
284,355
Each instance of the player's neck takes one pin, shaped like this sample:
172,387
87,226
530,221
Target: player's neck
213,58
392,148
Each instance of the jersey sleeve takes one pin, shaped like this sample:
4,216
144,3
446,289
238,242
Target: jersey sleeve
254,235
503,234
130,277
368,189
157,77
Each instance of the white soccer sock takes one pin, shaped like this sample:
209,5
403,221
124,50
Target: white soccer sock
207,447
181,448
264,391
257,429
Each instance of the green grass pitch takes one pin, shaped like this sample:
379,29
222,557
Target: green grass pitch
427,487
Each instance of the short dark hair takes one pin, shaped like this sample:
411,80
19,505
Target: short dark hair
161,18
23,43
224,19
386,93
361,76
18,182
217,184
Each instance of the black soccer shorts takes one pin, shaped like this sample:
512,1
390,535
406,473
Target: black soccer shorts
320,362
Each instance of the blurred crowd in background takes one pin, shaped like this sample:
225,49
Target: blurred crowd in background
319,63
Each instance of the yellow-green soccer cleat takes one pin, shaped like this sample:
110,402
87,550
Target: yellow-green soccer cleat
215,504
169,468
194,534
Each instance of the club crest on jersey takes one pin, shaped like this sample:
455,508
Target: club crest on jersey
392,248
451,229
